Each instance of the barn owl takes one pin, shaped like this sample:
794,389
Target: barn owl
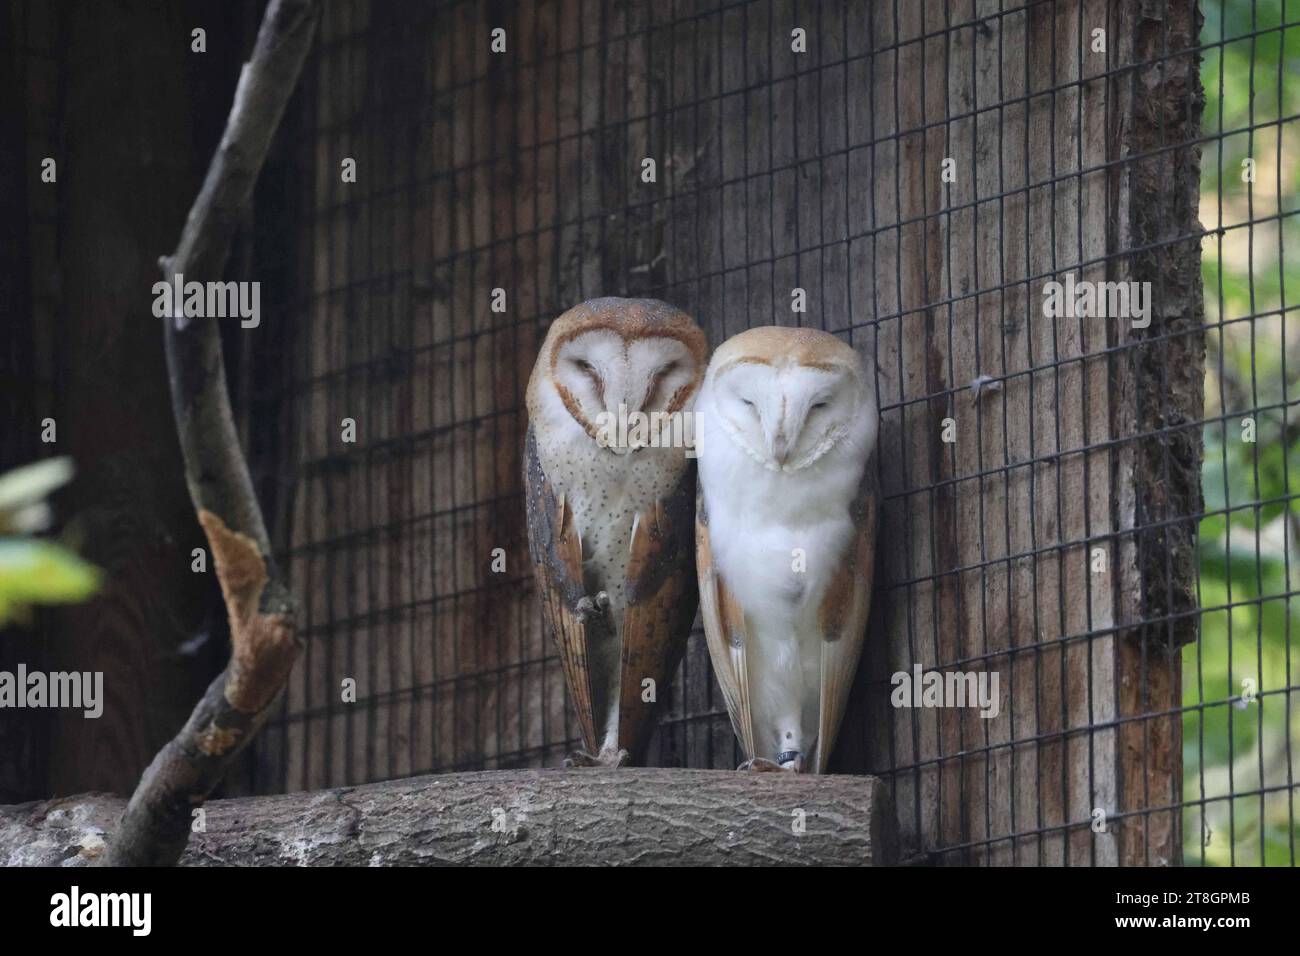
785,528
611,516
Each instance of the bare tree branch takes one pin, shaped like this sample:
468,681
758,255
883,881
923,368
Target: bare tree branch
264,640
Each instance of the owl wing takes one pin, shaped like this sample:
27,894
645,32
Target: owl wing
843,615
556,551
661,604
725,632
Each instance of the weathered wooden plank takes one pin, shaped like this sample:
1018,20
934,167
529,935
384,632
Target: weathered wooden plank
991,532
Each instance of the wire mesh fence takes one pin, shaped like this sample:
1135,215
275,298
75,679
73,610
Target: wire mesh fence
912,177
1240,752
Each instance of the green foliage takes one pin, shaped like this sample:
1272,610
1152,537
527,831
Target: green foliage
40,572
1241,732
34,571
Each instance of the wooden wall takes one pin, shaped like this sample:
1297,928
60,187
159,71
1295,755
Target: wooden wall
775,171
130,135
992,533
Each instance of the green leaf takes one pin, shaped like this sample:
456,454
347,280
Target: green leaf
31,483
41,572
23,491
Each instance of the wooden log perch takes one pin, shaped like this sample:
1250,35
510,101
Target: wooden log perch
264,642
625,817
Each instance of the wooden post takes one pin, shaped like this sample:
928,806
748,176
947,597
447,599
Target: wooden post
1162,388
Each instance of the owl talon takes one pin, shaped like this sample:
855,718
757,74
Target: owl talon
606,758
580,758
763,765
591,607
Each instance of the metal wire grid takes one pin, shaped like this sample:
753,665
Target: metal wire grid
317,740
1271,791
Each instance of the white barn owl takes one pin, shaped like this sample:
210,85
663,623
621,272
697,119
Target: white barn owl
611,515
785,534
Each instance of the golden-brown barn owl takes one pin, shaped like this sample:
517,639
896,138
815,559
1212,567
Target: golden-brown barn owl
610,525
786,426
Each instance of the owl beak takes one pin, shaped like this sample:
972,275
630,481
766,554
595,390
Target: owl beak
780,449
626,438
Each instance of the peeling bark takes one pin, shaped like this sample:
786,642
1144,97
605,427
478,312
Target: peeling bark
625,817
263,645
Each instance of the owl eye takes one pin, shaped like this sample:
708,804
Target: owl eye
819,405
748,402
583,365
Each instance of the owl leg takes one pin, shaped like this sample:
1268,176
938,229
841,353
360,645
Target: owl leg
595,611
592,606
606,758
